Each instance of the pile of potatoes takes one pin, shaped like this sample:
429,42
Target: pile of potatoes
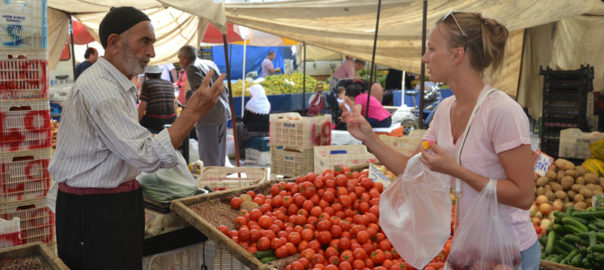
569,185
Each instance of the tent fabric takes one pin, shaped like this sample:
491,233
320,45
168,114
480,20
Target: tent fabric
173,29
81,36
209,9
348,26
58,35
566,45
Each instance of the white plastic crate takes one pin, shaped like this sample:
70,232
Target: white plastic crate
23,24
257,157
293,131
575,144
10,232
24,175
289,162
23,79
190,257
327,157
37,221
25,125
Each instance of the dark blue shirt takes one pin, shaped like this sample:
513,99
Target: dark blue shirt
81,67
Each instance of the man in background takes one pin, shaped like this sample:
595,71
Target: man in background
346,71
168,72
211,129
91,56
267,65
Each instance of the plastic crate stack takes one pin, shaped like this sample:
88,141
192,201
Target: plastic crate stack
292,139
564,103
25,128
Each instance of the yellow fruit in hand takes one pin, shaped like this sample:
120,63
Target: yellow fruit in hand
426,145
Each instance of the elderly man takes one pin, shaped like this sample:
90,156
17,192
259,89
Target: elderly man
211,129
101,148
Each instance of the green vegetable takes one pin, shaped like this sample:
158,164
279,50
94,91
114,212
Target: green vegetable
569,256
559,250
549,247
543,240
574,229
571,238
599,222
593,227
588,214
557,258
264,253
574,222
576,261
597,248
268,259
593,240
565,245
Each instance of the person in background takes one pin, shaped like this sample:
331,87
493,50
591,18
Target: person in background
180,85
168,72
267,65
101,148
157,105
377,92
91,56
346,71
378,116
255,121
211,129
461,47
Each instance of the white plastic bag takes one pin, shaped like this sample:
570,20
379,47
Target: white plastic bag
170,183
484,239
415,213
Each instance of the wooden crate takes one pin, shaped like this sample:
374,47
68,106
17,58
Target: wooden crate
34,250
547,265
231,177
207,212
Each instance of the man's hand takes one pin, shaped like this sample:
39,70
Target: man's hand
198,105
205,97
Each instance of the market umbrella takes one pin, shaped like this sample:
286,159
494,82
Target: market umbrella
213,35
81,36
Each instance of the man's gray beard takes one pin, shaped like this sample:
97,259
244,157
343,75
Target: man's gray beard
131,63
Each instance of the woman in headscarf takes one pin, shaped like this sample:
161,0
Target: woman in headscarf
255,118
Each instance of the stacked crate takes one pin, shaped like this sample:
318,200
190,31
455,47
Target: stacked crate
564,103
292,138
25,129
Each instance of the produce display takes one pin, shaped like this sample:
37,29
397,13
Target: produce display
320,221
565,185
576,238
280,84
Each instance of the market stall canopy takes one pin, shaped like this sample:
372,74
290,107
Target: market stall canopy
347,26
81,36
213,35
174,27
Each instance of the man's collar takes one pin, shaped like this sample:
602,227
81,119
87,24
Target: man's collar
124,82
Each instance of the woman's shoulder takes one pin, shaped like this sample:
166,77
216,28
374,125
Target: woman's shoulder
500,102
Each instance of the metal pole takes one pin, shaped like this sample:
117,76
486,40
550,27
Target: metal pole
72,46
423,72
228,71
304,80
373,69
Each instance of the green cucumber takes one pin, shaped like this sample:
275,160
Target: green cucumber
597,248
599,222
268,259
565,245
576,261
593,240
574,222
593,227
569,256
574,229
264,254
549,247
588,214
559,250
543,240
573,239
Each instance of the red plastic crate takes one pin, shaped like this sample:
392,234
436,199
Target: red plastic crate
10,233
24,125
24,175
37,221
23,79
